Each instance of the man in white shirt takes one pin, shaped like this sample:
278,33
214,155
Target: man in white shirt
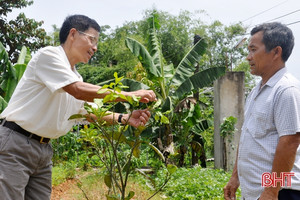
270,138
50,91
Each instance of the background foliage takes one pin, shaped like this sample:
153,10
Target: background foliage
175,37
21,31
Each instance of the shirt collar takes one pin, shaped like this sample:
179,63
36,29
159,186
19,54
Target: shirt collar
276,77
271,82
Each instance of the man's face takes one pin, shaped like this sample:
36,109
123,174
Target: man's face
259,60
86,44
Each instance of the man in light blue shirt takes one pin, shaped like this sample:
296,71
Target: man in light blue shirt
270,138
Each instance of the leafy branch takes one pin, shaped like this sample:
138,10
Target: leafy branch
108,141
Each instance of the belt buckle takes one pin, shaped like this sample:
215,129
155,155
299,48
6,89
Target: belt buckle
42,141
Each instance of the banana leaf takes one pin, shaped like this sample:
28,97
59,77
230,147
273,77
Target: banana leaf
3,104
10,75
199,80
143,55
186,67
155,48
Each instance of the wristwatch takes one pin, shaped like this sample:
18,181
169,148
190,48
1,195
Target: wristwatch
120,118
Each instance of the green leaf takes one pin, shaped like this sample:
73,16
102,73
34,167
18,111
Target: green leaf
108,98
134,85
107,180
88,107
168,105
77,116
3,104
137,150
139,130
127,166
154,46
143,55
164,120
23,56
199,80
171,168
156,150
103,90
20,69
117,136
108,197
98,102
9,84
155,105
130,195
147,177
186,67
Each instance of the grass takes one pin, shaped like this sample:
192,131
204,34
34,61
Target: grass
90,185
186,184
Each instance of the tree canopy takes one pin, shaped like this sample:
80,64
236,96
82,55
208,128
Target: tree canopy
21,31
175,34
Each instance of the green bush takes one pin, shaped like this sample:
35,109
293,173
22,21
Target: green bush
98,74
62,172
196,184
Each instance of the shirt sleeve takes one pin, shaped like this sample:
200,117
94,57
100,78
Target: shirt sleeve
287,112
54,70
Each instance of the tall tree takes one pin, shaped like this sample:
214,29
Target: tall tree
21,31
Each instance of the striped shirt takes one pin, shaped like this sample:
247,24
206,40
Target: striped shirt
271,111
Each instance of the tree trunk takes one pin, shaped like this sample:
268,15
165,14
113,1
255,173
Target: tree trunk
182,152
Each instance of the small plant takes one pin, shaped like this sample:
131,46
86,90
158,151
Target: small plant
227,130
108,142
228,126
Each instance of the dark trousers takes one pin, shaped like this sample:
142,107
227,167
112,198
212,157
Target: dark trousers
286,194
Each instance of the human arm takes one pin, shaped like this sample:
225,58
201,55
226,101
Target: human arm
283,162
88,92
233,183
136,118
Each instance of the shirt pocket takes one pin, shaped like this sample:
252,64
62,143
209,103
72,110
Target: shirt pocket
259,124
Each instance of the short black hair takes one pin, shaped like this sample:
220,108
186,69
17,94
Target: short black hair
79,22
276,34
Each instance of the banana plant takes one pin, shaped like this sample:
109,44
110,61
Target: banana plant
11,74
172,83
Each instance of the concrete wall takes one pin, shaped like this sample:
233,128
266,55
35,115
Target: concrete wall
229,99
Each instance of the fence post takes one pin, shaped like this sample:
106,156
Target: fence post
229,98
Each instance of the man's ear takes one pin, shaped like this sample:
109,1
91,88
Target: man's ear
277,52
72,33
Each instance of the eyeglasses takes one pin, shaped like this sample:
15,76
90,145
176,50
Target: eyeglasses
93,39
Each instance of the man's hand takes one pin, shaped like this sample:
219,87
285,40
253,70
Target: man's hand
137,118
231,188
269,194
146,95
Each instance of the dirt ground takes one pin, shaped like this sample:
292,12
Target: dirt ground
62,191
69,190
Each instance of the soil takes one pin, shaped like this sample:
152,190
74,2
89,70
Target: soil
69,190
62,191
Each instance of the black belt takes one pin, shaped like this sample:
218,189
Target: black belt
19,129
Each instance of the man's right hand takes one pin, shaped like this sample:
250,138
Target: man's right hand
146,95
231,188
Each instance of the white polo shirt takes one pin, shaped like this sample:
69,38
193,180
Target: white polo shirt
39,104
270,112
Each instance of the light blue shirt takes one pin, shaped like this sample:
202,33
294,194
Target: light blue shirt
271,111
